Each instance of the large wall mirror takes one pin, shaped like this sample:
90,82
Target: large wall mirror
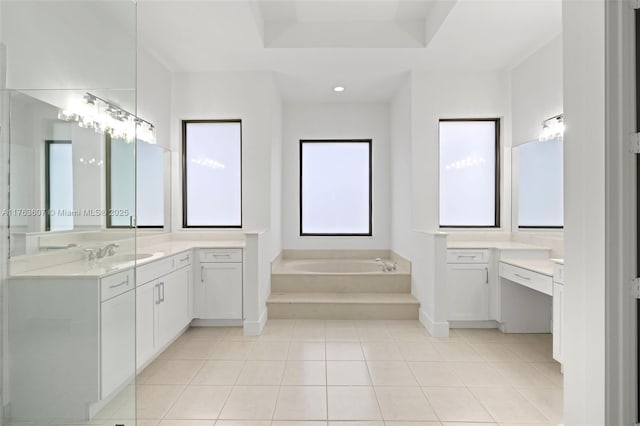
69,177
56,168
538,185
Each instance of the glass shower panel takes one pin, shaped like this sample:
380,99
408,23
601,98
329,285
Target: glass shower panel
68,304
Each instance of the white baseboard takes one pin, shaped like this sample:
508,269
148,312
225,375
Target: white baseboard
436,329
254,328
216,322
473,324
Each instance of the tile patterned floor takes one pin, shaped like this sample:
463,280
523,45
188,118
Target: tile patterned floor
347,373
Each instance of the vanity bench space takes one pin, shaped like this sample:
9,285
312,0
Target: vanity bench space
526,289
511,286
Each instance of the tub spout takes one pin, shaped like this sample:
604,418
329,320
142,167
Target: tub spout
387,267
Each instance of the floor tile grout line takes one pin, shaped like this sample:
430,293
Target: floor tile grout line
235,383
473,395
534,405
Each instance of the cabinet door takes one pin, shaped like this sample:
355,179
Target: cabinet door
222,291
146,298
173,309
558,290
117,347
468,292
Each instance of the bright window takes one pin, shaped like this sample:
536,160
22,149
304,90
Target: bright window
469,176
212,174
335,187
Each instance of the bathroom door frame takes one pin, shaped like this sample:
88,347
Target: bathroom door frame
622,224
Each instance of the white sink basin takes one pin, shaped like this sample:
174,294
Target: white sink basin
120,258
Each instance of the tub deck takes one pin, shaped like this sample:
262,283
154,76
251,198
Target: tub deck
336,294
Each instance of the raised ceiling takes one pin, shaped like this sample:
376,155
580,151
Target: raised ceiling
365,45
351,23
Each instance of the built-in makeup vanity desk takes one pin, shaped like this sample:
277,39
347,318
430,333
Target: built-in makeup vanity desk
504,284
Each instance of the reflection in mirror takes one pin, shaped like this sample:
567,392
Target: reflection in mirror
55,169
150,186
148,170
540,184
58,185
121,195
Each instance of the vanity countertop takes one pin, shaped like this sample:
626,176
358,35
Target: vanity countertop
177,246
541,266
97,269
500,245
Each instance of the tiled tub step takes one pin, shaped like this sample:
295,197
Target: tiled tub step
347,283
343,305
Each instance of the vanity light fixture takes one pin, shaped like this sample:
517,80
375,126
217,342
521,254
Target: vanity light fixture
552,128
105,117
338,89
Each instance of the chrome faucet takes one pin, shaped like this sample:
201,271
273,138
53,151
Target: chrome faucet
99,253
108,250
387,267
91,253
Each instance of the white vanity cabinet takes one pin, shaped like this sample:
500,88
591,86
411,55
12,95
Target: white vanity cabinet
71,344
468,285
173,307
558,308
163,304
218,289
117,332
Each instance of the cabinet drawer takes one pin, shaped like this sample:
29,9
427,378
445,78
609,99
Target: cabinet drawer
527,278
181,260
114,285
467,256
153,270
220,255
558,273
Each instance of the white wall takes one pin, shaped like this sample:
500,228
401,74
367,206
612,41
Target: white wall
336,121
536,91
276,177
400,171
248,96
273,237
425,250
584,207
452,95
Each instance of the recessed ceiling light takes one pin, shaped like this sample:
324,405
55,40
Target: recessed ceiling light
338,89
